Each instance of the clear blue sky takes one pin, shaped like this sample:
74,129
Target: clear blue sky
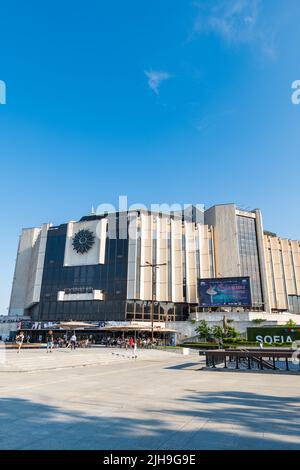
163,101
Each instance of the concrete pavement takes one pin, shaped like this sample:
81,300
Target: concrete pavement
98,400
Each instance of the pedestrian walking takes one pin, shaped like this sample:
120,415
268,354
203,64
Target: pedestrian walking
50,341
20,340
73,341
134,352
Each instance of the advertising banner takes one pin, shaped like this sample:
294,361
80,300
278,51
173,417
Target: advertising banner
228,291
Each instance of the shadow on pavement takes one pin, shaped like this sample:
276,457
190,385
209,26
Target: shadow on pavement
202,421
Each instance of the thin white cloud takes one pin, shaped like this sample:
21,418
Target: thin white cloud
155,78
236,22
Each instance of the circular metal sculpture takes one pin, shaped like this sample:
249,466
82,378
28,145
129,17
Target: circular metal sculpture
83,241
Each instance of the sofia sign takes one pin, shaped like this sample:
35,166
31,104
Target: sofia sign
274,339
274,334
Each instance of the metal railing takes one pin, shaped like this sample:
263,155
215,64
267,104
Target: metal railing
270,359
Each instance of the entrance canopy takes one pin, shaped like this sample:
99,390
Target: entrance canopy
126,326
137,328
74,325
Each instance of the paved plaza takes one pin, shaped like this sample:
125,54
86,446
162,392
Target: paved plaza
103,399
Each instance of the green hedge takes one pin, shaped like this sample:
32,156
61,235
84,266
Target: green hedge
233,344
234,340
252,344
199,345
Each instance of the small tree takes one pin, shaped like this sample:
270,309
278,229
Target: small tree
203,330
231,332
218,332
291,323
258,321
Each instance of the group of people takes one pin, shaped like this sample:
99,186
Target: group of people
60,342
128,343
72,342
55,343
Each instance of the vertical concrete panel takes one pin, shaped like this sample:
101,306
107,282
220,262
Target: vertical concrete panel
262,261
296,259
290,286
37,267
269,273
177,280
191,273
278,273
162,257
132,258
22,271
146,256
223,219
204,235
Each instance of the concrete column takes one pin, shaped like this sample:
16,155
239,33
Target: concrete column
262,261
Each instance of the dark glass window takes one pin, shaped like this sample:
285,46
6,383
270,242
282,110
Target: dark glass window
110,278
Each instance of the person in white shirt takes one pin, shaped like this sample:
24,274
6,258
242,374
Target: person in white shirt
20,340
73,341
134,352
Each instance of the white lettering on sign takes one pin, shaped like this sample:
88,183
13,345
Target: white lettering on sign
273,339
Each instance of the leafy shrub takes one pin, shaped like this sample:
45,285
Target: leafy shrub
236,340
203,330
218,332
232,332
291,323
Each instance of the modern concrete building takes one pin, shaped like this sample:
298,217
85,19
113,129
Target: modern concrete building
8,326
283,273
97,268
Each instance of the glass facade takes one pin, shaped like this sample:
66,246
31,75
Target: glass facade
110,278
294,303
249,261
163,311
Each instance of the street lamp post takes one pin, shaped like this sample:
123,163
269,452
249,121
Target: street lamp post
152,266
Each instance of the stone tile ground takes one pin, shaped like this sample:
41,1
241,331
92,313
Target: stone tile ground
97,399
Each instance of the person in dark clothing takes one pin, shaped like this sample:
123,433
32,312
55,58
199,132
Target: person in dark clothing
73,341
